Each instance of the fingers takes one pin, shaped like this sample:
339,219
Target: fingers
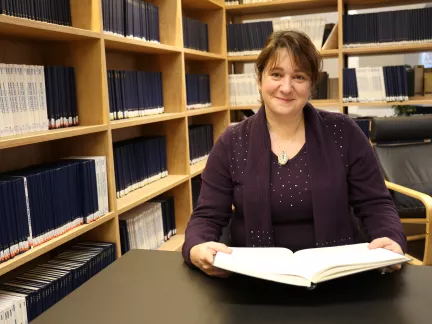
380,243
219,247
391,269
202,256
385,243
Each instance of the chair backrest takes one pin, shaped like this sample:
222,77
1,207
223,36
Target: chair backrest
405,158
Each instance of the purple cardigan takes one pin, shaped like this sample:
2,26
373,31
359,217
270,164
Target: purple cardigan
344,174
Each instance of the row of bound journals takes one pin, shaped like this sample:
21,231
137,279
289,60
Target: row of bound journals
42,202
243,89
131,18
200,142
388,28
250,38
29,294
388,83
51,11
139,93
149,225
36,98
135,94
138,162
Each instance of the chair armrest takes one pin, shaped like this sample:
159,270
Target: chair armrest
425,199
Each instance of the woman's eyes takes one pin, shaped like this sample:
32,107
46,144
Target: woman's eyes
296,77
300,77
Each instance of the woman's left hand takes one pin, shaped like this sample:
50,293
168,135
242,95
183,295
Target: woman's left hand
388,244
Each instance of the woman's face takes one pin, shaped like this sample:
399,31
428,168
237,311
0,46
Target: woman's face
284,87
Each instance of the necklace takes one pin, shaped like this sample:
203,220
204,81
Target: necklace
283,156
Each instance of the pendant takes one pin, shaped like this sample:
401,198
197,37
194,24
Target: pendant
282,158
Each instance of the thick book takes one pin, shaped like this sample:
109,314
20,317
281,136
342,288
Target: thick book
306,267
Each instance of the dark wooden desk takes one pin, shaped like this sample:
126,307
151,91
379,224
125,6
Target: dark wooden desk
157,287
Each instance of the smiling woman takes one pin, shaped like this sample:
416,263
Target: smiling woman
287,70
297,176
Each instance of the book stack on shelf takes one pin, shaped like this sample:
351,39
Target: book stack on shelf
200,142
27,295
390,28
198,91
134,94
371,84
135,19
138,162
195,34
326,88
52,11
36,98
149,225
196,188
243,89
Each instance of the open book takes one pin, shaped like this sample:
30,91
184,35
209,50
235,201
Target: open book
306,267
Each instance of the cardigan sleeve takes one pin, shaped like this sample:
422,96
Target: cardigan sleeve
214,207
368,194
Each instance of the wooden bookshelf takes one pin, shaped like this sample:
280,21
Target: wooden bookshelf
91,51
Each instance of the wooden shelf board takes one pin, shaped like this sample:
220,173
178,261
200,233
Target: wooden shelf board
175,243
378,50
129,122
244,107
148,192
253,58
412,101
114,42
197,168
49,135
325,103
245,58
363,4
202,111
203,4
31,254
279,5
37,30
191,54
330,53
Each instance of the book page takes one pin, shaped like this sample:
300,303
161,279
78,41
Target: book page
267,260
311,262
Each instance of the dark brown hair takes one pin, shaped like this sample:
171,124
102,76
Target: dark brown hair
304,53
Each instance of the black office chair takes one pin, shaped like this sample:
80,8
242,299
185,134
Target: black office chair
404,151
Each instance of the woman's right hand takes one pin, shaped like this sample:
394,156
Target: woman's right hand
202,256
